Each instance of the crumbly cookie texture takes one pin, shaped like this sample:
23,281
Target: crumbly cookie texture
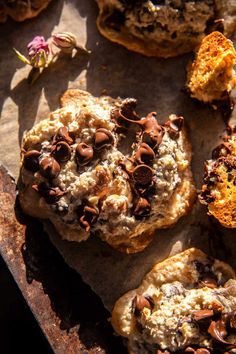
211,75
75,173
219,188
185,304
20,10
162,28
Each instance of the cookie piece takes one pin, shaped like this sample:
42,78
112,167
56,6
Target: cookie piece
79,171
20,10
184,303
161,28
219,188
211,75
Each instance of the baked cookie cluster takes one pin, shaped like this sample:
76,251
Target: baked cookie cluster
75,173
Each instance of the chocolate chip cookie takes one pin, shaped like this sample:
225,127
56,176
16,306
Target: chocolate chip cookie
185,304
76,173
20,10
163,28
219,188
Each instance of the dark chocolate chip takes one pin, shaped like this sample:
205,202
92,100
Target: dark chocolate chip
140,302
142,175
61,151
49,167
144,154
209,282
142,208
202,314
174,125
221,150
103,138
83,154
31,160
49,193
63,135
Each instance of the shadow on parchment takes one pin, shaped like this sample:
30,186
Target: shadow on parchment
51,83
72,300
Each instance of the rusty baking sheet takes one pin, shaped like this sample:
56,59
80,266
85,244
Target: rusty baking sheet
71,316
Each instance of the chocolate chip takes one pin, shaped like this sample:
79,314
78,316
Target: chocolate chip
174,125
144,154
61,151
49,193
152,131
103,138
49,167
87,216
142,175
217,330
221,150
83,154
202,314
209,282
232,320
162,351
140,302
31,160
142,208
63,135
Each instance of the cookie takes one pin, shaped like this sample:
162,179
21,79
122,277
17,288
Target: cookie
20,10
185,304
219,188
162,28
211,75
94,166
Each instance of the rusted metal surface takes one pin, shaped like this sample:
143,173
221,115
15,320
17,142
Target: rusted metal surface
69,313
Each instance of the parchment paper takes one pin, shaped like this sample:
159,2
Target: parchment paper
158,85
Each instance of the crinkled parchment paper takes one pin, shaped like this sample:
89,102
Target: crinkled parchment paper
157,84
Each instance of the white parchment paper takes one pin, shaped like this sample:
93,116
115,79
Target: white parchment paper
158,85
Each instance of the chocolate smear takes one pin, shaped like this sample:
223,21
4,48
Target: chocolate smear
87,216
202,314
49,193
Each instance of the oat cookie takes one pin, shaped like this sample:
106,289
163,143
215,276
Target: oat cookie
95,166
20,10
211,75
219,188
185,304
163,28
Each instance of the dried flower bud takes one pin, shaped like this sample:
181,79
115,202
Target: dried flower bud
38,51
65,41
